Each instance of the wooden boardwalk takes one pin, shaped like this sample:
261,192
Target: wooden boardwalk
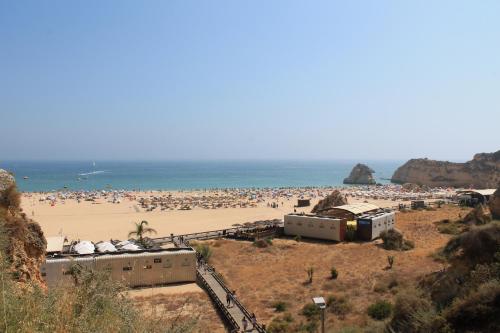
218,291
211,281
227,233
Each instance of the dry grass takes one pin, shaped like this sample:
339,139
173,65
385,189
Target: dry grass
183,307
264,276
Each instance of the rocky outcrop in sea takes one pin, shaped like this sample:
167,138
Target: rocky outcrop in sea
361,174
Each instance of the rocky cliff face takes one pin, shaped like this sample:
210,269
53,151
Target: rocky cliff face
23,238
6,180
495,204
483,171
361,174
334,199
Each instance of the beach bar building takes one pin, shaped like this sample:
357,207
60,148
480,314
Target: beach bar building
314,226
369,227
133,269
352,211
474,197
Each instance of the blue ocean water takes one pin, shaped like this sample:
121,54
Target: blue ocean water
177,175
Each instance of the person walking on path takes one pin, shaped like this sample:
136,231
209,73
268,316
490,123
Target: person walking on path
253,320
233,295
228,299
244,322
203,265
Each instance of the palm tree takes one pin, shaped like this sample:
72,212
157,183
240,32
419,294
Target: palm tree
140,230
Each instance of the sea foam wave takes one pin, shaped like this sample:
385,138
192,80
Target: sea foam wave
91,173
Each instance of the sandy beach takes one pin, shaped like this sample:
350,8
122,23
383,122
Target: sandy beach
112,215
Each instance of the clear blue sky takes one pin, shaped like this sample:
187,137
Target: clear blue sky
249,79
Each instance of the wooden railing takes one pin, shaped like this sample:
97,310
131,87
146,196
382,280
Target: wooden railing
243,309
233,325
229,232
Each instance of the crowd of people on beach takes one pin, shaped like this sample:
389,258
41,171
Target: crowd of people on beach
241,198
398,192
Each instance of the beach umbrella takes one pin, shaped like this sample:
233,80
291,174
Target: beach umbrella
84,247
130,247
105,247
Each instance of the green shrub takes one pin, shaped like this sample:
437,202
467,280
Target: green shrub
280,306
478,245
392,283
407,245
484,273
480,215
339,305
439,256
380,310
478,311
297,238
205,251
309,327
393,240
386,284
310,311
334,273
449,227
413,313
281,324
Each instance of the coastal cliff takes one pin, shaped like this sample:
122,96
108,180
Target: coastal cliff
22,238
483,171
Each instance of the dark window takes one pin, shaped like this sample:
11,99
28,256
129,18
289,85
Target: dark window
66,272
157,260
148,267
127,268
44,274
